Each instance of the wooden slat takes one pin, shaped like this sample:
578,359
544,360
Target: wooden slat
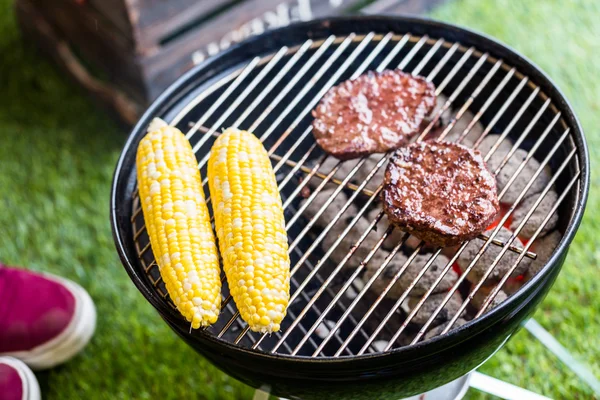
114,11
110,53
247,18
153,12
34,26
400,6
142,46
255,16
158,19
133,17
69,14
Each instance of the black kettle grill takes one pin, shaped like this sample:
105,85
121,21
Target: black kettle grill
330,344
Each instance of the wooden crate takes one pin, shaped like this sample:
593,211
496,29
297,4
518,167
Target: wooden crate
126,52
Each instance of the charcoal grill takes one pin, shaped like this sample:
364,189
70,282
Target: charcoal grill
340,339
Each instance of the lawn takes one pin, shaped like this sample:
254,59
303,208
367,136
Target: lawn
57,156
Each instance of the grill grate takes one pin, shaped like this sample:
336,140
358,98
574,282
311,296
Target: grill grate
332,312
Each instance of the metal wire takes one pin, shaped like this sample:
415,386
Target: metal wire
371,253
384,264
496,230
333,57
360,69
454,288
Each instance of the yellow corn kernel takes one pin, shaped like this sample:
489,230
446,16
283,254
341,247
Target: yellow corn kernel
251,228
178,223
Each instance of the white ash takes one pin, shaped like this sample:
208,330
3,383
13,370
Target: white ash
345,169
404,306
327,166
404,339
332,210
522,179
490,141
459,127
377,260
446,116
410,273
442,121
380,345
372,323
394,237
538,215
488,257
357,285
482,294
351,293
431,304
349,241
363,173
386,275
543,247
412,242
324,328
436,331
360,174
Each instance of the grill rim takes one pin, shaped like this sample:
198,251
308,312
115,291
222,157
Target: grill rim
124,177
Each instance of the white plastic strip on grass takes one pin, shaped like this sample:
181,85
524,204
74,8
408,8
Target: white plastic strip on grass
563,354
502,389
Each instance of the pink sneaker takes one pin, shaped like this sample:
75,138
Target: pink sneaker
17,382
44,320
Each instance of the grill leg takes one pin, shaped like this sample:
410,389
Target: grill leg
477,381
260,395
502,389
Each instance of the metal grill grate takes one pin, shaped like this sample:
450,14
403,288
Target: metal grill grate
332,312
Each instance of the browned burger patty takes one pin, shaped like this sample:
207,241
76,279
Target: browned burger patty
440,192
374,113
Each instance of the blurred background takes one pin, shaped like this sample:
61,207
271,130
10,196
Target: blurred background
74,74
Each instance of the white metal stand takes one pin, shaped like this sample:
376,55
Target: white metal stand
509,391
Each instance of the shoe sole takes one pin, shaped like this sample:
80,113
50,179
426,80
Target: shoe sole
31,387
71,340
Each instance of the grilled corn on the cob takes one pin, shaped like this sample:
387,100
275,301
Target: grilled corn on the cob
178,223
251,228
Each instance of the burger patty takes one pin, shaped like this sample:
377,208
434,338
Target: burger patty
440,192
374,113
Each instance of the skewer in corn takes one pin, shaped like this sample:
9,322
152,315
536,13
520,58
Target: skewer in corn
251,228
178,223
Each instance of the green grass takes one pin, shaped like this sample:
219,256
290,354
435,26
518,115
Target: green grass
562,38
57,156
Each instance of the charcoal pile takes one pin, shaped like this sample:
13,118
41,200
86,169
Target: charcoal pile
401,267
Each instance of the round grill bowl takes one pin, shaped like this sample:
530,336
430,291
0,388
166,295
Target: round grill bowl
402,370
